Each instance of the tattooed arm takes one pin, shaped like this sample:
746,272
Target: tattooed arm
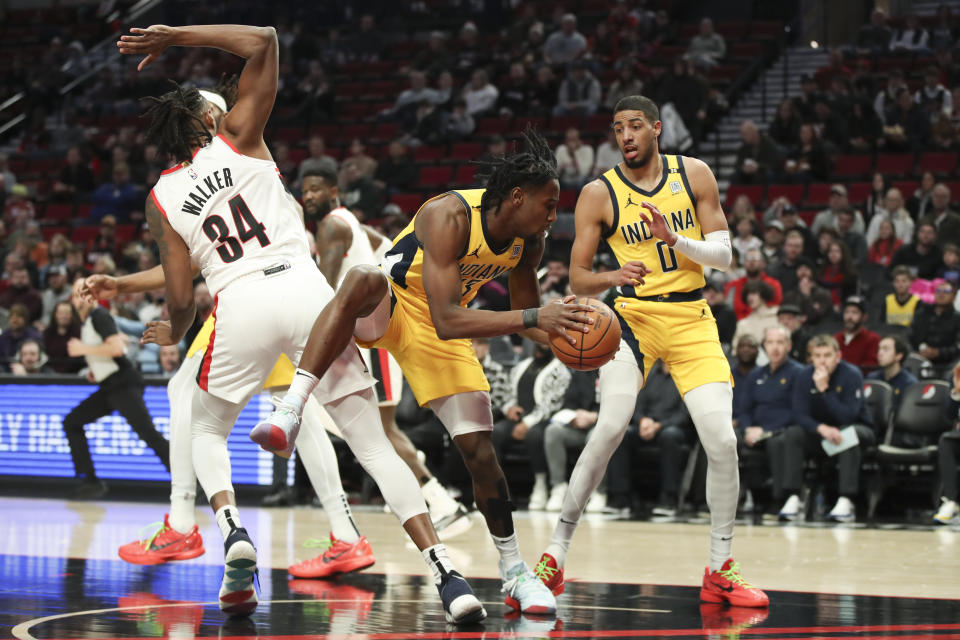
334,238
177,271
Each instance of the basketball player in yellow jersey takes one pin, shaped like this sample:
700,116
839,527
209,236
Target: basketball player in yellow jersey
455,243
661,216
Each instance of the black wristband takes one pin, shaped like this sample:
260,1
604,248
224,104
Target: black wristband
530,318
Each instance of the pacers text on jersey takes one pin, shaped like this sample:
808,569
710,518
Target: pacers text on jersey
637,232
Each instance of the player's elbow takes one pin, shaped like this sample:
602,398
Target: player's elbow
268,35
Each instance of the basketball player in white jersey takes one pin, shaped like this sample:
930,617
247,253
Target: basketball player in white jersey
224,207
343,243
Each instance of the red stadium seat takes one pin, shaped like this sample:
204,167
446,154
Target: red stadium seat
940,164
408,202
852,166
568,200
426,153
954,191
907,187
818,194
857,192
49,232
435,177
792,192
83,235
560,124
466,151
895,164
466,175
58,211
386,131
754,192
492,126
125,233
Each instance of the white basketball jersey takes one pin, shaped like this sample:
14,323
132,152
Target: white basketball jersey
233,213
360,251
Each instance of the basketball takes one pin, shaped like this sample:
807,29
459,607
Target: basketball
594,348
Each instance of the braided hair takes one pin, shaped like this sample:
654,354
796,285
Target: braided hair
533,167
176,123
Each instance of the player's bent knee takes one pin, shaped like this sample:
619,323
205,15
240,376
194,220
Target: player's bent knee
363,287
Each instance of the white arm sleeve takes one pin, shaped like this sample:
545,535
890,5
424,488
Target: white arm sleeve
713,251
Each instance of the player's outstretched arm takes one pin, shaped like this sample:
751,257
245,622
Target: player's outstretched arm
103,287
593,212
443,228
177,270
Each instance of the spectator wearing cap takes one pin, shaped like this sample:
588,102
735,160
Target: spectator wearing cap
757,157
922,256
58,289
890,354
574,160
567,44
754,264
722,313
708,47
935,329
828,217
773,238
858,345
946,220
758,296
579,93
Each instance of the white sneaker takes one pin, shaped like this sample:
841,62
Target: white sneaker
790,509
538,497
949,511
524,591
555,503
843,511
597,503
278,433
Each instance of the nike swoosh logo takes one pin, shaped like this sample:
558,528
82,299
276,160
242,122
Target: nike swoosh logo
727,589
331,558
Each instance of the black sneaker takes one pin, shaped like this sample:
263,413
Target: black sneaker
238,594
460,605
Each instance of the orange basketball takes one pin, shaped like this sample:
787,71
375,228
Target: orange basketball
594,348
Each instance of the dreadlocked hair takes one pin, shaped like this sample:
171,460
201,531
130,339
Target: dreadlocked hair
227,87
533,167
176,126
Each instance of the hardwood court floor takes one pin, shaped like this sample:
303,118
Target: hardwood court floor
627,579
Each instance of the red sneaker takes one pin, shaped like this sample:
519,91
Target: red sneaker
727,585
147,608
164,545
339,557
338,599
550,574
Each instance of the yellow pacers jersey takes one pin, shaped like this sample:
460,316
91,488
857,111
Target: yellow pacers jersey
631,239
901,314
479,262
281,376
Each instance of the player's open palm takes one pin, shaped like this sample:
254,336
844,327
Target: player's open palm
560,316
99,287
159,332
657,223
149,42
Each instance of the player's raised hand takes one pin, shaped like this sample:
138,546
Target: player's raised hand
99,287
630,273
158,332
560,315
657,223
149,42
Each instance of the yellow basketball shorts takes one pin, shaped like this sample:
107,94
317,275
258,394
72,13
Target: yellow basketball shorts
433,368
682,334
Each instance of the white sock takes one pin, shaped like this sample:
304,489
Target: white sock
560,541
182,512
721,548
540,480
228,519
300,389
439,562
509,549
342,524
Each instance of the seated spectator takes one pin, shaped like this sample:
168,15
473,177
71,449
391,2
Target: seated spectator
899,306
890,354
21,292
18,208
894,211
409,99
169,360
357,164
865,127
873,38
831,126
30,360
708,47
907,127
784,270
317,157
828,397
543,93
746,352
515,92
18,330
828,217
63,325
807,160
428,126
910,38
480,95
659,419
58,290
773,238
935,329
579,93
367,43
76,178
567,44
853,240
946,220
745,239
809,95
743,208
784,129
435,57
118,198
104,244
858,345
757,158
460,124
919,203
950,269
885,246
556,280
537,387
792,319
607,155
396,172
722,313
763,410
923,256
570,428
626,84
838,274
574,161
948,460
758,296
755,265
933,97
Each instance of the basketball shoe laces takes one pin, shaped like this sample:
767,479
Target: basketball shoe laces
316,543
158,528
733,575
543,571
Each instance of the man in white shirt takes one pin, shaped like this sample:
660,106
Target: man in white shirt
480,95
565,45
574,161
